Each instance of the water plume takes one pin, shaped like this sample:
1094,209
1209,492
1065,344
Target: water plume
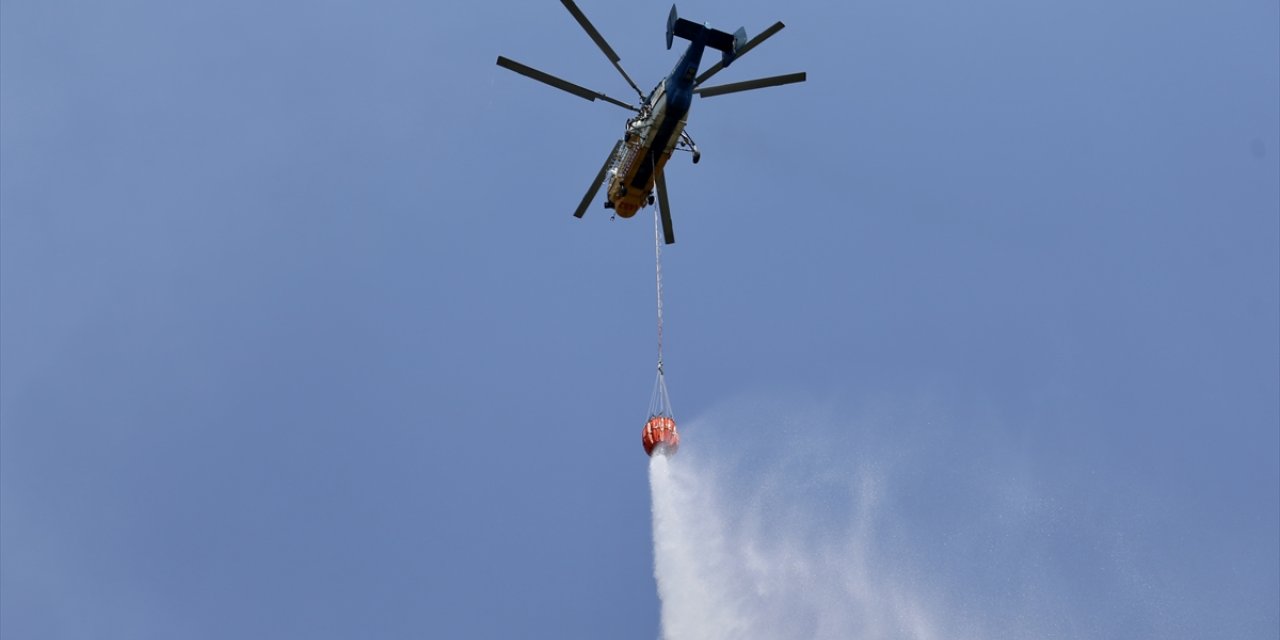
762,574
803,536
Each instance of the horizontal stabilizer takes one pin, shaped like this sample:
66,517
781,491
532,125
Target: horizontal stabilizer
687,29
726,43
722,41
740,50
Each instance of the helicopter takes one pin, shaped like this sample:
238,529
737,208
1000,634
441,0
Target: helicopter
634,168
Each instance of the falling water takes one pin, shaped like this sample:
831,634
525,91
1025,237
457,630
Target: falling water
838,530
723,573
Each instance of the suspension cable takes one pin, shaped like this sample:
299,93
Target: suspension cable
659,402
657,255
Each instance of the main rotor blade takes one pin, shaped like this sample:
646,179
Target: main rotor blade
760,83
563,85
600,42
664,208
777,26
595,184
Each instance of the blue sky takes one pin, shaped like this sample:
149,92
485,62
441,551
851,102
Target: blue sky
300,340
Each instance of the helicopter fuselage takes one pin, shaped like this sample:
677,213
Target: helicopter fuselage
652,136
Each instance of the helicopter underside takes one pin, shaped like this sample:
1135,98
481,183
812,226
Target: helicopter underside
625,197
650,139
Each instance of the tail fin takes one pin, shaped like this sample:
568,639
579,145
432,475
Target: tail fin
727,44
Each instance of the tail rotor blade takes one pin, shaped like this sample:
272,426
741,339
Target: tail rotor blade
764,35
600,42
595,184
760,83
664,208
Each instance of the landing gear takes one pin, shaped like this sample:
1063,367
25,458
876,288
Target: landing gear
686,142
651,199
